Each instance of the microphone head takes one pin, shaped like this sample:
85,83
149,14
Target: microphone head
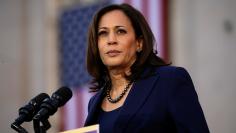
38,99
50,105
27,112
63,94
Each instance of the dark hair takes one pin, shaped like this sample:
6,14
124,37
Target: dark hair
146,57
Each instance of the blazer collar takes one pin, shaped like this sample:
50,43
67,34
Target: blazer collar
94,108
135,99
140,91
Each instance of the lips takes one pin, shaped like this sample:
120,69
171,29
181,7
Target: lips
113,53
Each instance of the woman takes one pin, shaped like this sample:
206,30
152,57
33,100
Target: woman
136,90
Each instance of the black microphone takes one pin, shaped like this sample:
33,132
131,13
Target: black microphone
50,105
27,112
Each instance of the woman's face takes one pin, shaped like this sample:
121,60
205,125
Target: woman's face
117,43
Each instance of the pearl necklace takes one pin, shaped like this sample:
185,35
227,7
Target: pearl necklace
117,99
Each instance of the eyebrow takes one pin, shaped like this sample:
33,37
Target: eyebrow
107,27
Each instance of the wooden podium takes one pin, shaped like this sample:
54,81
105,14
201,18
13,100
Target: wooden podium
88,129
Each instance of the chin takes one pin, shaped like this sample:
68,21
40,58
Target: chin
113,63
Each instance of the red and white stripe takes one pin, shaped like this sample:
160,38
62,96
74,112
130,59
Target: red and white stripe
75,111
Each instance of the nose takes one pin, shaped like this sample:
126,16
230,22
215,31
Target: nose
112,39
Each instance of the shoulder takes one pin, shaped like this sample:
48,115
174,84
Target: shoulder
168,72
173,74
166,69
172,71
169,75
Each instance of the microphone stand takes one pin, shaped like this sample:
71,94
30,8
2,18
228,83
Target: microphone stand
18,128
41,129
38,128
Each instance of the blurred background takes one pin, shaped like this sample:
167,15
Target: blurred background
43,43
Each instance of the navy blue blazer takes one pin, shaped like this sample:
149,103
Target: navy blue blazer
165,102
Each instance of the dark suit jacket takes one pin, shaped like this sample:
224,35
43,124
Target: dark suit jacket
165,102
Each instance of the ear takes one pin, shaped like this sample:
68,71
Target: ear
139,44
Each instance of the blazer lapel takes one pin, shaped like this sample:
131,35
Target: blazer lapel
135,99
94,107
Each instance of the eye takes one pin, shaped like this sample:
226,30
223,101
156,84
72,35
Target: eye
121,31
102,33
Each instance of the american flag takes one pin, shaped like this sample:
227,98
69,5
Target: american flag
73,27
